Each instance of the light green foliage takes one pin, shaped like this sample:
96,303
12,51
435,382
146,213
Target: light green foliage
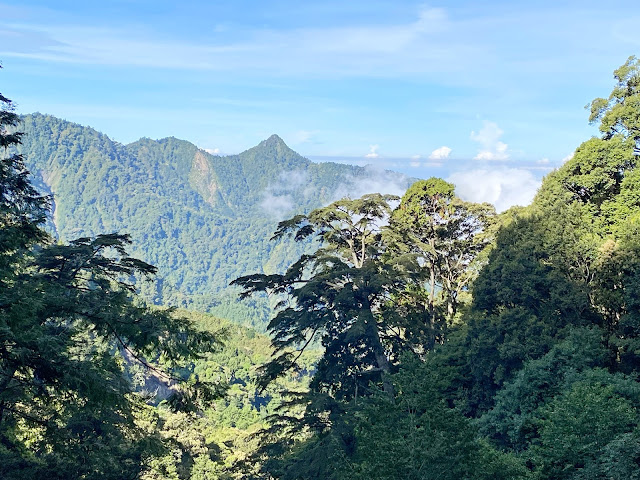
440,236
213,443
620,113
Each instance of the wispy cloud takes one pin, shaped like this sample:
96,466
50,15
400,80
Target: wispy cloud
304,136
424,44
278,198
372,180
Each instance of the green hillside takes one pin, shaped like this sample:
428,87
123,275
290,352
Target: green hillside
203,220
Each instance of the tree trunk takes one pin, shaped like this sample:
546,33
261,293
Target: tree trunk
378,349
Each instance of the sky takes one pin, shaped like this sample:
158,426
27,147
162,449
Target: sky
489,95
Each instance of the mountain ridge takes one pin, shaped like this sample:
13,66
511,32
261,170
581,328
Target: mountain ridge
201,219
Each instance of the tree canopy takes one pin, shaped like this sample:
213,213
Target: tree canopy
69,325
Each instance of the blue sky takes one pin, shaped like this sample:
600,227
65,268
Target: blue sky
488,94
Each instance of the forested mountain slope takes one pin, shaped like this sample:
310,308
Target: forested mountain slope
203,220
537,377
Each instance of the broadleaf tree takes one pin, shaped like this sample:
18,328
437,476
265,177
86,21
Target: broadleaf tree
442,236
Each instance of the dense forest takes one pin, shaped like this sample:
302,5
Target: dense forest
201,219
417,337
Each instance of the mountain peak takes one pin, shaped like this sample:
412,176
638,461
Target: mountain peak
273,147
274,141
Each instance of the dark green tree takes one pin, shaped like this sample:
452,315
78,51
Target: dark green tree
69,325
419,437
335,294
569,259
352,293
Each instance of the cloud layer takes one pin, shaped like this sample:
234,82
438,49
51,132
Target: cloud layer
503,187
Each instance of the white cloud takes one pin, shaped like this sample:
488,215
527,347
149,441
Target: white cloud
427,43
373,180
543,161
489,139
212,151
568,157
415,164
277,206
503,187
373,152
416,157
376,39
440,153
277,199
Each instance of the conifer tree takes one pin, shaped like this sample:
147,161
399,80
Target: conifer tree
69,323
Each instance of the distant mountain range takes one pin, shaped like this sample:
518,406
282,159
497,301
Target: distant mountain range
203,220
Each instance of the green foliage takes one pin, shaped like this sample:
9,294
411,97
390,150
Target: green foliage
335,293
68,323
620,113
523,304
417,436
548,358
203,220
589,420
511,424
536,377
440,236
347,293
223,434
566,261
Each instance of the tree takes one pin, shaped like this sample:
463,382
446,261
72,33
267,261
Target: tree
419,437
581,428
443,235
335,293
353,293
22,208
620,113
569,259
69,323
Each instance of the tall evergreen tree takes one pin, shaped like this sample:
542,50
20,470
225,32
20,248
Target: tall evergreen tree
69,323
335,294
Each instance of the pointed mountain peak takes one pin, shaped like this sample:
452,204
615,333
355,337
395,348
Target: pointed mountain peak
273,151
273,146
274,141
